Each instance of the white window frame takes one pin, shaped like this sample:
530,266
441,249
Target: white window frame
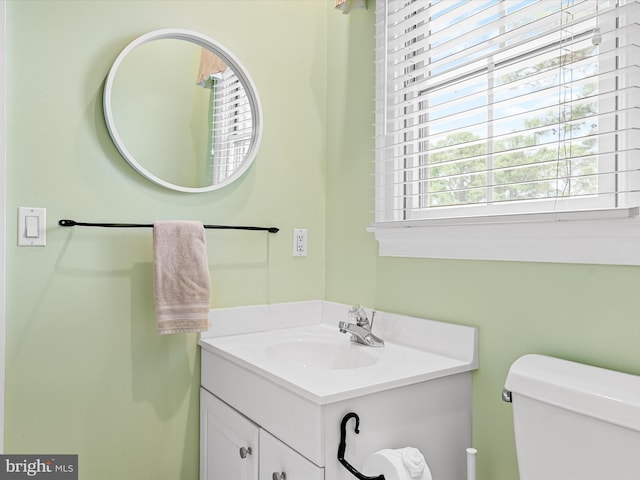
590,237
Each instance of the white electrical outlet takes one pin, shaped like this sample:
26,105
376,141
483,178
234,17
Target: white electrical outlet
299,242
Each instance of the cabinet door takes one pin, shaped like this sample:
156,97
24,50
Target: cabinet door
228,442
279,462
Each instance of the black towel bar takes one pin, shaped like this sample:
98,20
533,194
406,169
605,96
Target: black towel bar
73,223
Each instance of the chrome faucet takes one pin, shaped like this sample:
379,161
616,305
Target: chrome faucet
361,330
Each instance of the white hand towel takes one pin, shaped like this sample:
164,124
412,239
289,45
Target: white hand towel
182,288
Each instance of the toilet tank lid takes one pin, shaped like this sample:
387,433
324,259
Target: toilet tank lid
604,394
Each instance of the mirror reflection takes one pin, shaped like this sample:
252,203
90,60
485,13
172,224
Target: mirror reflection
181,115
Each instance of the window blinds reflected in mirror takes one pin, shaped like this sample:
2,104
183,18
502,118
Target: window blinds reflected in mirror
229,117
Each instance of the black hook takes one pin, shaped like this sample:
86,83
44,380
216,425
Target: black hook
343,445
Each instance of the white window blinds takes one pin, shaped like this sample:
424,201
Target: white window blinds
506,107
231,124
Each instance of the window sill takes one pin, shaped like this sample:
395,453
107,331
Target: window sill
596,238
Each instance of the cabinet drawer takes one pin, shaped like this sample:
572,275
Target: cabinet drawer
277,458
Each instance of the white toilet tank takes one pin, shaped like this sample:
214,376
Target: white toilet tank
574,421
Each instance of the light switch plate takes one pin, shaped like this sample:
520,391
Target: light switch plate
36,221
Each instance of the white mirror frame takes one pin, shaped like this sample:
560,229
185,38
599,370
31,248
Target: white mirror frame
229,59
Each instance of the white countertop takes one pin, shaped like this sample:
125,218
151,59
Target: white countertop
395,365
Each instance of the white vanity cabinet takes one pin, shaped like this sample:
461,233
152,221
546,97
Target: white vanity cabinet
228,442
279,462
232,447
293,386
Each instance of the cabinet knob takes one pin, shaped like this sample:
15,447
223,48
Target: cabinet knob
279,476
244,451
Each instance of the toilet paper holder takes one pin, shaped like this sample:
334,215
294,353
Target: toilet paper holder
343,445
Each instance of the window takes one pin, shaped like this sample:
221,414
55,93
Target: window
230,124
506,112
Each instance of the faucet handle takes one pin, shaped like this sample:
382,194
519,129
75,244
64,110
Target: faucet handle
357,314
373,314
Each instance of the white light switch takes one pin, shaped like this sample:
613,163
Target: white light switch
32,230
31,226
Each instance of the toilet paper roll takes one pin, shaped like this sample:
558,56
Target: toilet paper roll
399,464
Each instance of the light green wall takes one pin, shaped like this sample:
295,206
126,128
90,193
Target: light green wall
86,371
581,312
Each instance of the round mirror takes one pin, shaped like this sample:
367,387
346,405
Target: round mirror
183,111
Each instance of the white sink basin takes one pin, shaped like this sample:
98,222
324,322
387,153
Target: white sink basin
321,355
